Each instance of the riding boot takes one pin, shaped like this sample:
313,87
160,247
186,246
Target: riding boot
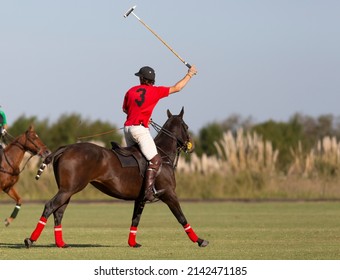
151,173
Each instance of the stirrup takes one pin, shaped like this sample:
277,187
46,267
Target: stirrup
152,194
156,193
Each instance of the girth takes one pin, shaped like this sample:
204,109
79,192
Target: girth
130,157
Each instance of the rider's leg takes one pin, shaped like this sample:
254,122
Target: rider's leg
142,136
1,140
154,167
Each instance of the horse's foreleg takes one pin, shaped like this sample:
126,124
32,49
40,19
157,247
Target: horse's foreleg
15,196
174,206
137,213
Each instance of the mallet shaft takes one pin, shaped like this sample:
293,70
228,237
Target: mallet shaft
158,37
130,11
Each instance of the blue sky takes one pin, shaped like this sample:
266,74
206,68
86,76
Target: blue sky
263,59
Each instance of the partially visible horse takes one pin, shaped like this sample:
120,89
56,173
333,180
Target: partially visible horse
10,159
77,165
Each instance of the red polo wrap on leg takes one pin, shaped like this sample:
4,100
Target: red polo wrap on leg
58,235
132,236
39,228
190,232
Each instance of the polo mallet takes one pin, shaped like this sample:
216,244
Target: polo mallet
130,11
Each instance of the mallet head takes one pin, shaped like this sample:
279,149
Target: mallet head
129,11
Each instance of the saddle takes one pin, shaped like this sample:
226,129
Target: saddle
130,157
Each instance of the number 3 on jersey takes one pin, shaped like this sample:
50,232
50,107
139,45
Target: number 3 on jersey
142,97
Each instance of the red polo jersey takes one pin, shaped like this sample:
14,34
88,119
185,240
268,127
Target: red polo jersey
140,101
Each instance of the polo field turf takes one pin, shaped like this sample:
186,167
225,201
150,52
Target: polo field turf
235,230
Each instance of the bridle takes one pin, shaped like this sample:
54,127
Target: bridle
22,147
182,145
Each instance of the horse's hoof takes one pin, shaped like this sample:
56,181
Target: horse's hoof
7,223
28,243
202,243
64,246
137,245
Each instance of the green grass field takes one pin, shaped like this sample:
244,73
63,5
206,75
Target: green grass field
235,230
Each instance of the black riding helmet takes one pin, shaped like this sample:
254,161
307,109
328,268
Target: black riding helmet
147,73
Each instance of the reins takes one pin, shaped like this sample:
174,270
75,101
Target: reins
22,147
3,170
158,129
8,136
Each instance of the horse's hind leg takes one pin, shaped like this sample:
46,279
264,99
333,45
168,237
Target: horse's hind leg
172,201
137,213
58,232
15,196
59,201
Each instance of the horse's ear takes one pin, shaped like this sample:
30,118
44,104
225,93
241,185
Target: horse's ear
31,127
182,112
169,113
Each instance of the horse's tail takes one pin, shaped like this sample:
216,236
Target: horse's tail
48,160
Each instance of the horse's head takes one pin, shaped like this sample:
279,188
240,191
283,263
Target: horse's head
180,130
31,142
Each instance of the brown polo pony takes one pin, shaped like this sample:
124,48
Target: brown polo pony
77,165
10,159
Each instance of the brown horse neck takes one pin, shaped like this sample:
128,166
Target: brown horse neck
167,147
13,155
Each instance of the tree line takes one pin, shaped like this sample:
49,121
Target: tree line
68,129
300,130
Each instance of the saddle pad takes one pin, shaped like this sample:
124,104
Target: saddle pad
126,161
130,157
